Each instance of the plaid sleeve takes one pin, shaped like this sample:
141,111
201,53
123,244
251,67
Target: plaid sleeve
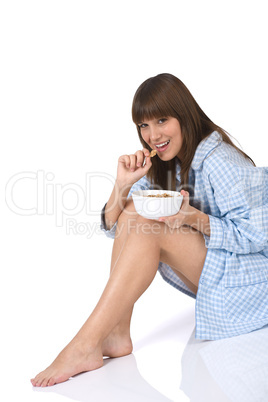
109,232
240,196
215,240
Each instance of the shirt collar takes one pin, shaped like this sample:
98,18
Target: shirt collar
206,146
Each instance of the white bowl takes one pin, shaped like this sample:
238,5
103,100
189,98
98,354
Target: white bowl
156,207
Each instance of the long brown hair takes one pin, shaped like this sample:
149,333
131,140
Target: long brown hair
165,95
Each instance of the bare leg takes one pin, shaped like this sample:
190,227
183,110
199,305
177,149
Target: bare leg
127,282
118,343
134,271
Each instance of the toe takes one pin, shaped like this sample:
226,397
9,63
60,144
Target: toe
37,381
51,382
44,382
40,382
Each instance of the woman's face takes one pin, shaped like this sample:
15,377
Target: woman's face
163,135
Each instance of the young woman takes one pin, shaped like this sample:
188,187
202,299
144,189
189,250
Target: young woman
214,249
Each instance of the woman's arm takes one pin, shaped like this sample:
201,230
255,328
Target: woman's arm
130,169
199,221
241,198
116,204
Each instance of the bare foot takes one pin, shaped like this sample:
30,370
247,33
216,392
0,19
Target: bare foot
75,358
117,345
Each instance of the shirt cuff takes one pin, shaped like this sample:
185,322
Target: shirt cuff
215,240
108,232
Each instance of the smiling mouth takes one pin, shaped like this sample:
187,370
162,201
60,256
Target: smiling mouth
162,146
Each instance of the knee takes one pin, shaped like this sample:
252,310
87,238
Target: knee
136,223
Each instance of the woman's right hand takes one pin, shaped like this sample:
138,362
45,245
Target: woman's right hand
131,168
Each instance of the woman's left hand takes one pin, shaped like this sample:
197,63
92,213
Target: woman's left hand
183,216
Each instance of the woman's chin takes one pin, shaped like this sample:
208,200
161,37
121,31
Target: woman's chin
166,157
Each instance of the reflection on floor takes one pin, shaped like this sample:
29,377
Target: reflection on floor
117,380
234,369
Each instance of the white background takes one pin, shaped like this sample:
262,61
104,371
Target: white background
69,70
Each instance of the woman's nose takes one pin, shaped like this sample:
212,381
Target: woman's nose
155,134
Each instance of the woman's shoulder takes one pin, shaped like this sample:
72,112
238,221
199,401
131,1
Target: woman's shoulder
223,165
205,148
214,153
227,168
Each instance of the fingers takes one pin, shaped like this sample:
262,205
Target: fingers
172,222
146,152
124,159
185,193
135,161
148,162
186,199
141,156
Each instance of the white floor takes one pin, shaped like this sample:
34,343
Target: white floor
49,284
168,364
230,370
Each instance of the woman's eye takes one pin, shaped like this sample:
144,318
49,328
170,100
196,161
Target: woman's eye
143,125
161,121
